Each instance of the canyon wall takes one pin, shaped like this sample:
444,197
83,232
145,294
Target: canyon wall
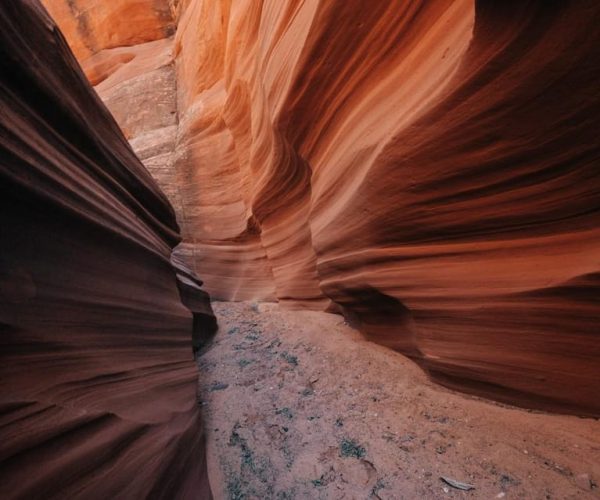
98,392
430,168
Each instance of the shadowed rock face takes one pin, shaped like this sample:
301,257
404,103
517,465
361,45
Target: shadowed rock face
431,167
98,392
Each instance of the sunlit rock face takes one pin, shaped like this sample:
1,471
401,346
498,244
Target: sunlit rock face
428,167
98,391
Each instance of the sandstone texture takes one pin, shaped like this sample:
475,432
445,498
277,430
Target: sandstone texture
98,382
430,168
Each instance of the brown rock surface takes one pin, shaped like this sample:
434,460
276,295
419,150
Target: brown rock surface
430,167
98,385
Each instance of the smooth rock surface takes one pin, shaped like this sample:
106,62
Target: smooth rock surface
428,167
98,383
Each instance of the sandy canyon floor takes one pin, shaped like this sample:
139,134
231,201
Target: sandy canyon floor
299,405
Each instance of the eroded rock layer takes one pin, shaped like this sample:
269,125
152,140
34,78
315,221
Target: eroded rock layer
429,167
98,383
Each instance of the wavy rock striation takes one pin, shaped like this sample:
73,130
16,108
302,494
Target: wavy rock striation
98,393
428,167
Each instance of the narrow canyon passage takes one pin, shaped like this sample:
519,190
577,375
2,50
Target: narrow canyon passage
391,207
298,405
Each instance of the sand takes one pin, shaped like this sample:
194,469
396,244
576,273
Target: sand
299,405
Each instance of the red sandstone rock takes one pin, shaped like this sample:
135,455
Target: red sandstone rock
93,25
431,167
98,393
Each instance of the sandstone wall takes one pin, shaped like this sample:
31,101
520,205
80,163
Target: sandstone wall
428,167
98,383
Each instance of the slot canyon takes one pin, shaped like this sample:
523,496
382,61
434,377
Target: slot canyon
255,249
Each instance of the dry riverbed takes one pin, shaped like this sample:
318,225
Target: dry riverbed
298,405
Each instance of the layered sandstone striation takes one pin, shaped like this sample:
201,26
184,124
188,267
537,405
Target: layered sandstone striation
428,167
98,392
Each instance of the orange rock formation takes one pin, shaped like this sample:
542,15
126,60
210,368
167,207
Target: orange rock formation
429,167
